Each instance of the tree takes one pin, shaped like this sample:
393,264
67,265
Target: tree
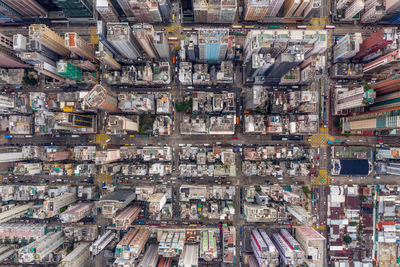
145,123
30,78
365,102
337,122
183,106
366,87
261,110
306,190
347,239
363,198
360,227
352,223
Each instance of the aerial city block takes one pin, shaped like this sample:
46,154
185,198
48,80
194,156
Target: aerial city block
200,133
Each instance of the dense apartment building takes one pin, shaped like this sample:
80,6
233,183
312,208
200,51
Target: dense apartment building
102,98
215,11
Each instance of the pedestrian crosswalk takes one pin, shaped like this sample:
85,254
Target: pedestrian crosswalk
101,138
321,139
321,179
102,177
175,31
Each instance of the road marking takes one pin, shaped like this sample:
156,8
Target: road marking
101,138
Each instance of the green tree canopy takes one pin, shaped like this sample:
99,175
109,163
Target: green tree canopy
347,239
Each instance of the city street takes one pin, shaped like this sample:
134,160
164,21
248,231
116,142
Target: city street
292,108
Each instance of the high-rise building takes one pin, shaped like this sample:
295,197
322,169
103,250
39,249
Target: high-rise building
259,65
213,44
49,70
52,206
20,42
256,9
229,244
383,62
347,47
77,212
27,8
75,8
301,8
290,7
382,120
288,248
107,11
101,242
208,246
115,201
189,256
80,256
228,11
8,14
388,94
353,9
21,231
276,42
274,7
102,36
48,38
74,121
283,64
7,55
122,125
6,41
102,98
341,4
257,96
14,212
190,43
132,244
144,35
126,7
79,46
161,45
165,262
171,243
345,99
374,10
312,10
312,243
376,41
200,11
146,11
216,11
150,257
40,248
392,6
37,46
8,59
213,11
106,59
124,219
8,156
68,70
389,85
165,9
156,202
252,261
264,250
34,58
121,37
